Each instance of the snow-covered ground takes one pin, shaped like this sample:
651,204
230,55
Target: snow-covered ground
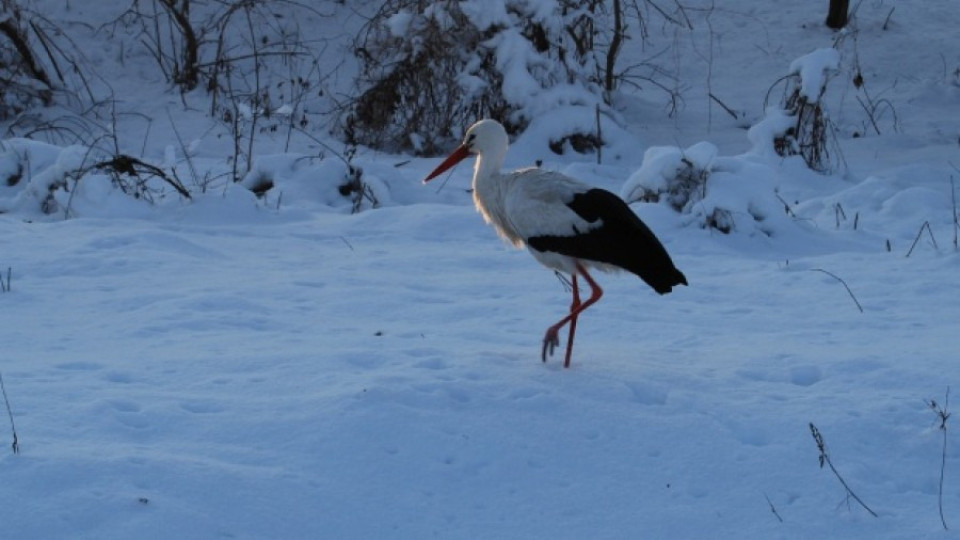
232,367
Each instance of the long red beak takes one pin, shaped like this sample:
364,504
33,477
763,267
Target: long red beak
458,155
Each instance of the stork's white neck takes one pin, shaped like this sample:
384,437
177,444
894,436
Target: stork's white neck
488,165
490,188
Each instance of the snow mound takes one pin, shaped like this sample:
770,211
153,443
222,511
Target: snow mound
572,132
891,208
729,194
298,180
42,181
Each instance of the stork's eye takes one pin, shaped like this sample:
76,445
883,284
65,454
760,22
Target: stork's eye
471,137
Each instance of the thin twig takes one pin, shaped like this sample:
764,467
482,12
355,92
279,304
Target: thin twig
869,112
942,415
844,283
886,22
564,280
16,444
663,13
839,213
124,164
257,105
786,206
825,458
599,137
956,217
18,39
730,111
186,153
773,508
926,225
42,37
443,183
249,56
323,144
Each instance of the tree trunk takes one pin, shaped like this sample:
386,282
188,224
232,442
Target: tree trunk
610,80
837,16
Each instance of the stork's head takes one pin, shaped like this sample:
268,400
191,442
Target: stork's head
484,137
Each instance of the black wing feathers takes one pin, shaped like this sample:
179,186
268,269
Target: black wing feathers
622,240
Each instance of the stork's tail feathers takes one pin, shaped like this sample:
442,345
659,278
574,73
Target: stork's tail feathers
667,281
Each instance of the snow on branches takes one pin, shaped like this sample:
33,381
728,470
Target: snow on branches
806,135
428,70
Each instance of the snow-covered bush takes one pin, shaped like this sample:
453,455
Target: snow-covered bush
739,193
723,193
39,178
259,67
24,81
32,172
333,181
677,177
49,88
807,134
429,69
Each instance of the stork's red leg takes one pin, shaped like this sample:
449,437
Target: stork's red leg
573,322
551,337
554,340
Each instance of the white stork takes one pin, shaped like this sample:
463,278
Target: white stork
567,225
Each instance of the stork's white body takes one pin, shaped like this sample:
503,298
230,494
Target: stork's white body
530,203
567,225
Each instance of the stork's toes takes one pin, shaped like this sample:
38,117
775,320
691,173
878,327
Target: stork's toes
550,341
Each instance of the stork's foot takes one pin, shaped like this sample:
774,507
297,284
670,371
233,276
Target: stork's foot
550,342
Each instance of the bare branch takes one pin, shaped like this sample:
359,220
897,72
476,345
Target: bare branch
844,283
942,416
825,459
16,444
926,225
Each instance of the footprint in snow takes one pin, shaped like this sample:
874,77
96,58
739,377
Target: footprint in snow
647,394
125,406
431,364
201,407
119,377
805,375
802,375
525,393
79,366
129,413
